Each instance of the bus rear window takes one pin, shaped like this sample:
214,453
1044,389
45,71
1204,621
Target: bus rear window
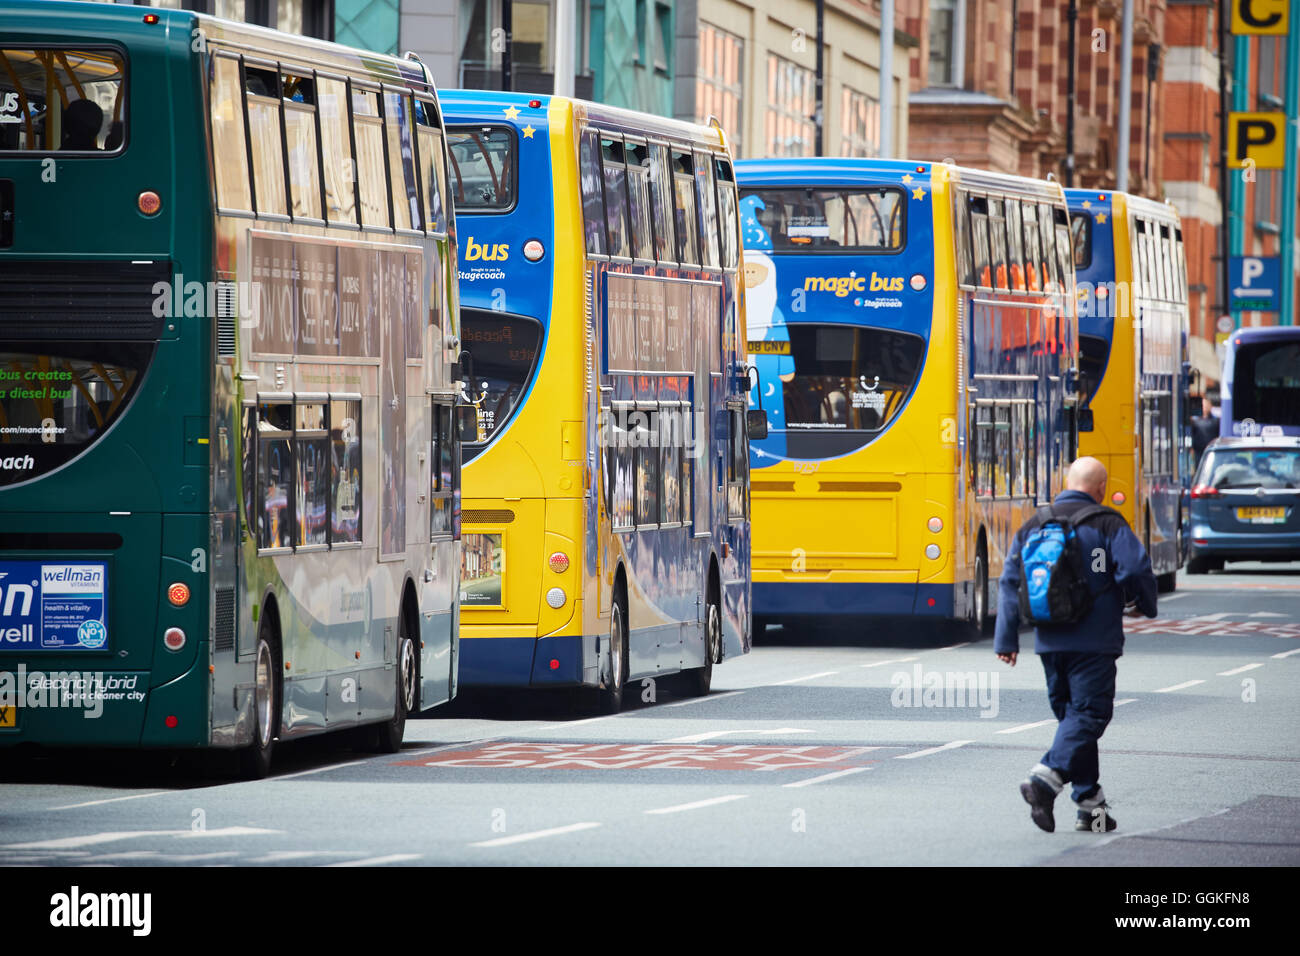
56,403
1266,383
61,100
483,168
1081,239
504,351
823,220
843,385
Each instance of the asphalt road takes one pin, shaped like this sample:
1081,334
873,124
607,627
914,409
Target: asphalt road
814,749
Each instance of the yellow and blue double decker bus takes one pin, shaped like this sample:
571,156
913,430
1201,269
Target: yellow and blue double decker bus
1133,327
228,480
914,331
607,500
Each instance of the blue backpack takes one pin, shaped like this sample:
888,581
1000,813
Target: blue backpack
1054,580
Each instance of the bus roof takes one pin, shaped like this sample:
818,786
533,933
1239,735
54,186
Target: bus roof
41,17
488,103
1264,333
840,170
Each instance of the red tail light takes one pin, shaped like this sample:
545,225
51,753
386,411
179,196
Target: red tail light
1205,491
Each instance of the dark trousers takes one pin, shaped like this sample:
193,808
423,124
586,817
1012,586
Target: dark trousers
1081,689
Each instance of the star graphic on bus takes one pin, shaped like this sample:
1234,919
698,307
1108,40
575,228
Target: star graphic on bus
1101,218
907,177
529,131
512,112
918,193
1087,204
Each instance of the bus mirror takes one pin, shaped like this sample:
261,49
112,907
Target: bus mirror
1085,419
467,423
756,424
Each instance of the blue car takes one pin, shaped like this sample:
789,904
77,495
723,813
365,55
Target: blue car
1245,503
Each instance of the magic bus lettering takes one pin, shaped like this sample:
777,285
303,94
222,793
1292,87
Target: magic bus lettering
843,285
495,253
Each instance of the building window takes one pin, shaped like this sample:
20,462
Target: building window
640,32
944,31
859,124
663,36
719,85
318,19
791,101
1265,204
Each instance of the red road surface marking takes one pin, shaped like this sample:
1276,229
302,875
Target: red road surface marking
538,756
1176,626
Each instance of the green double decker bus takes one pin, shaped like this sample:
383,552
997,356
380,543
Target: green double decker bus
229,460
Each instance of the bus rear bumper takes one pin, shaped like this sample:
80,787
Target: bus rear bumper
859,599
558,661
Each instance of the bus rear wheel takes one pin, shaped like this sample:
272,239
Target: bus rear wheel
979,619
697,681
609,698
255,760
386,738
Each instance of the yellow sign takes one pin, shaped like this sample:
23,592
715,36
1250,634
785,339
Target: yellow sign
8,715
1221,338
1260,17
772,347
1257,139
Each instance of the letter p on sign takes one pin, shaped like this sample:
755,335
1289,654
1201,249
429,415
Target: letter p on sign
1257,137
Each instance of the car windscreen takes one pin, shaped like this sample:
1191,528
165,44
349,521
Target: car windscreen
1225,468
58,99
824,220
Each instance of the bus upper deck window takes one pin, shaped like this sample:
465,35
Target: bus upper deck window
62,100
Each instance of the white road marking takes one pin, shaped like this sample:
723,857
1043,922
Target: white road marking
698,804
1016,730
1183,686
696,700
795,680
1286,654
164,859
1173,597
896,660
1126,700
227,831
579,723
279,856
324,769
1265,614
536,834
134,796
696,738
90,839
952,745
953,647
827,776
378,860
1239,670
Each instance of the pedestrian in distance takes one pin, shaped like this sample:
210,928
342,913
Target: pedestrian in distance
1074,570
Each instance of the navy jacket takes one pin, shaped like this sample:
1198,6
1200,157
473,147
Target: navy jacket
1127,577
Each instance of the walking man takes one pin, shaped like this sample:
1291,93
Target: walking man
1078,657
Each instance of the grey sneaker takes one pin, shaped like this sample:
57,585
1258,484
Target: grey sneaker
1098,819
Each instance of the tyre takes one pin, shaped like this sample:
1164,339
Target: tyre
697,681
1198,565
1166,583
609,697
255,760
979,617
386,738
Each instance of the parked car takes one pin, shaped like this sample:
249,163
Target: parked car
1245,503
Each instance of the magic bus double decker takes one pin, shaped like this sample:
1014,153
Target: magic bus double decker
607,499
1133,328
914,330
228,466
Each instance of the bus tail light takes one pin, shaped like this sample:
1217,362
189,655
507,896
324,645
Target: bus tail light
174,639
149,202
1205,491
935,524
932,551
151,18
556,597
1118,498
1102,292
179,594
918,283
534,250
559,562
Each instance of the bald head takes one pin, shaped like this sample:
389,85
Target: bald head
1089,476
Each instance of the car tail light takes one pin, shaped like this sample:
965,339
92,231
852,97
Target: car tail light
1205,491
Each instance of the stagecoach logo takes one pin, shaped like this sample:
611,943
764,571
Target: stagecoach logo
17,463
843,285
